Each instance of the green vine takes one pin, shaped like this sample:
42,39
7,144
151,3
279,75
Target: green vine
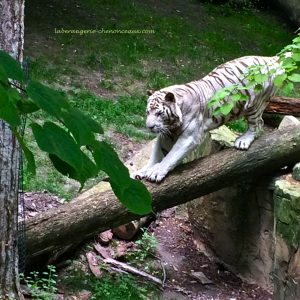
285,72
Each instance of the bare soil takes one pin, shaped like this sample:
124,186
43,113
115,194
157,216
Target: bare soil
178,250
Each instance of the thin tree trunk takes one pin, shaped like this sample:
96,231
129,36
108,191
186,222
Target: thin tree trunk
11,40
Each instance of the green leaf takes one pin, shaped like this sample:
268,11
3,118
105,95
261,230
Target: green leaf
132,193
11,67
26,106
3,76
260,78
135,197
8,111
217,111
236,97
287,62
221,94
294,77
47,99
296,56
244,97
54,140
226,108
279,79
108,161
258,88
288,88
81,126
63,167
31,167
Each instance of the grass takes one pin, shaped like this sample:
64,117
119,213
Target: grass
111,286
184,46
107,75
126,114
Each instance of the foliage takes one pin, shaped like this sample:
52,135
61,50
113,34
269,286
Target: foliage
239,125
285,74
42,286
111,286
146,247
69,139
127,288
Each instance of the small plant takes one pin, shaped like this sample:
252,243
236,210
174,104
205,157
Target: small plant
42,286
107,84
146,247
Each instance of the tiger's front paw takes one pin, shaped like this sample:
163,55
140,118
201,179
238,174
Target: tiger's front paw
156,173
139,175
244,141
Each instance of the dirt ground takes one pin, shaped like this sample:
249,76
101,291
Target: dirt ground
182,259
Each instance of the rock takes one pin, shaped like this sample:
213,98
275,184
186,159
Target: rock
236,223
287,210
94,264
288,121
296,172
105,237
224,136
199,276
105,252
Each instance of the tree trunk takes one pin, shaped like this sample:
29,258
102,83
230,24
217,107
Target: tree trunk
11,40
284,106
95,211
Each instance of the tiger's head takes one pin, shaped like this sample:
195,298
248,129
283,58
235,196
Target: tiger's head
163,113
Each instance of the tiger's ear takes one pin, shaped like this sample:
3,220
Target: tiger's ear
170,97
150,92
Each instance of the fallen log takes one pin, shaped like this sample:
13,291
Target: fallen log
94,211
284,106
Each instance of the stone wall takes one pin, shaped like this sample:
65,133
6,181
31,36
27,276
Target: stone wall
254,229
238,225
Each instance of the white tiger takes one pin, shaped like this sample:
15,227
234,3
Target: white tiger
180,115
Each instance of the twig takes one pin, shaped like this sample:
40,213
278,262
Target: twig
133,270
163,269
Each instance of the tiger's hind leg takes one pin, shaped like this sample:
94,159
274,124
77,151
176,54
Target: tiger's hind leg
255,127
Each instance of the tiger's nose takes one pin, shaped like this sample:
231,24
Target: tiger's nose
151,127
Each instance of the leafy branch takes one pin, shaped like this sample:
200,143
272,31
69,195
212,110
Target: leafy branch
284,73
71,140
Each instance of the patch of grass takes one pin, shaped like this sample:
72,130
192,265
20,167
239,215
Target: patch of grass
111,286
199,40
126,114
49,179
